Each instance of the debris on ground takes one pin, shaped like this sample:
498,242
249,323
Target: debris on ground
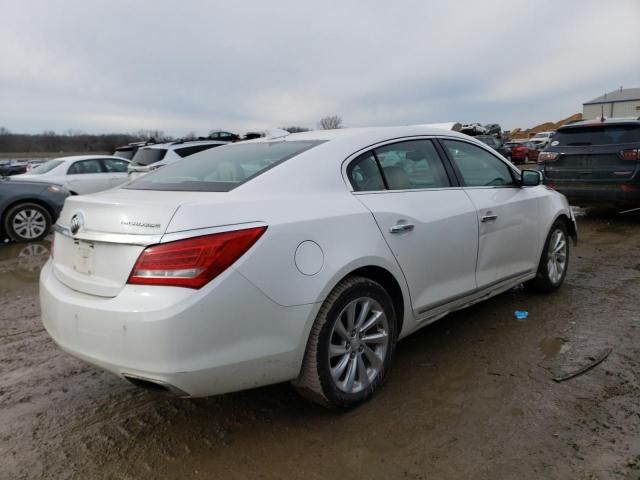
521,314
596,361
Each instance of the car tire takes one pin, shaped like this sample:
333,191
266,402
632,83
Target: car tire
27,222
341,369
554,261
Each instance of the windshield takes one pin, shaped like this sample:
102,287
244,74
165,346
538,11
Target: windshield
147,156
221,169
45,167
542,135
597,135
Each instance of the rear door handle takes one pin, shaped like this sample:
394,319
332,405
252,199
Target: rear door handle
401,227
489,218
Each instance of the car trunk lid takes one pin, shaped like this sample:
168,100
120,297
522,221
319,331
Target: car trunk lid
99,237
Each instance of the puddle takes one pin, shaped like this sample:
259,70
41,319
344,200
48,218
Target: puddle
20,264
552,347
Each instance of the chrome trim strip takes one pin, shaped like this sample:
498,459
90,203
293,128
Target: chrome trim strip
106,237
476,292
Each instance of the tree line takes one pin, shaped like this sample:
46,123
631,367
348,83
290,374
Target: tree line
77,141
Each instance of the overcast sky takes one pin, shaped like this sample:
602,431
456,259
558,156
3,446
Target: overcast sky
181,66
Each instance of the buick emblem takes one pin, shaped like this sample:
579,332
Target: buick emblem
77,223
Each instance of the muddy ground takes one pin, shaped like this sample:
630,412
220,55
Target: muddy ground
471,396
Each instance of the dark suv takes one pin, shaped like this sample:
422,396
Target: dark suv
595,162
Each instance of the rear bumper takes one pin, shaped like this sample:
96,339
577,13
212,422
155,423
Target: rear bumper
598,195
228,336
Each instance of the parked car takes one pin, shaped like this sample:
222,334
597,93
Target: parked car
493,129
224,136
80,174
541,139
128,151
495,143
523,152
302,258
28,209
474,129
595,162
11,167
148,159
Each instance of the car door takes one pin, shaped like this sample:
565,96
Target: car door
87,176
117,171
429,223
507,214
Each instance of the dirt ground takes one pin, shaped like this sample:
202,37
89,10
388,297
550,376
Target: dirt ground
471,396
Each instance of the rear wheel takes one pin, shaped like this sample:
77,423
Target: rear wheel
351,345
27,222
554,262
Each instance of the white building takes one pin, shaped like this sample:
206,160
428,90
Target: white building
624,102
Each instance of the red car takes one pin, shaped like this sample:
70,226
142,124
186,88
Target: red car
522,152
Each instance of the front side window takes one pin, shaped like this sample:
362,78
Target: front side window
478,167
115,166
85,166
222,169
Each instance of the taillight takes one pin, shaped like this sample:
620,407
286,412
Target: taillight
548,156
193,262
633,154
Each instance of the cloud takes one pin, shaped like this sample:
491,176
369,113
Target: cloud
115,65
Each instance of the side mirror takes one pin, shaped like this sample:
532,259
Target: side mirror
529,178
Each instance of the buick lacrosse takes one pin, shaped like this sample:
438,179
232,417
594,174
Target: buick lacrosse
303,258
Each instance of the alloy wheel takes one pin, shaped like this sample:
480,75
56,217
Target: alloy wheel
557,256
29,223
358,345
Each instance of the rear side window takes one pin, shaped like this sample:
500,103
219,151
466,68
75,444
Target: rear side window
478,167
364,174
186,151
414,164
596,135
222,169
147,156
127,154
85,166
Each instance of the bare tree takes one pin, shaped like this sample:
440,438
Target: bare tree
330,123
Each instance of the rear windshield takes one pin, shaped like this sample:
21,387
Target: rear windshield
147,156
45,167
598,135
126,154
221,169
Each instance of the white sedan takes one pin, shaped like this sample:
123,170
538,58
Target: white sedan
80,174
304,258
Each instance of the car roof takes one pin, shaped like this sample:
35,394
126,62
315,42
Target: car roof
74,158
364,134
606,121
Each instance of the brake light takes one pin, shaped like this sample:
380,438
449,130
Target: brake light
628,187
548,156
633,154
193,262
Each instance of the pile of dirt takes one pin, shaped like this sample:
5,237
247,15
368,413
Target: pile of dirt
543,127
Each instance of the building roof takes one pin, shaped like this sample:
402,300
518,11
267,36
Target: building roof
620,95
